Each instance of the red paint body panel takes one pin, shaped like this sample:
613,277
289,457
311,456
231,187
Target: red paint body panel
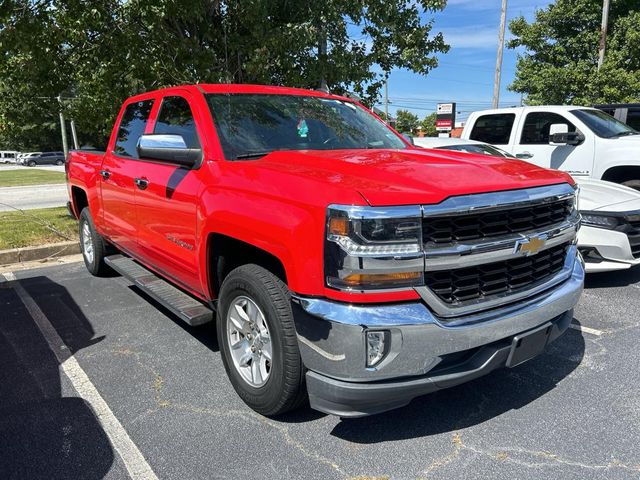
277,203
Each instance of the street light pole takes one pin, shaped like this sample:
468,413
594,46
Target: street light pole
603,33
386,99
63,129
496,80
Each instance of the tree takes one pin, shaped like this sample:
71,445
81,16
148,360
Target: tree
428,125
99,53
559,64
406,122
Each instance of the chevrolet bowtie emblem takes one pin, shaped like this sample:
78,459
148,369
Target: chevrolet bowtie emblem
530,246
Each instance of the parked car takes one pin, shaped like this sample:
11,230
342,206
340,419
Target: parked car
344,265
460,145
8,156
583,141
42,158
628,113
610,235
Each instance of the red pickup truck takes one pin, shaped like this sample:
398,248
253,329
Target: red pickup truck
341,264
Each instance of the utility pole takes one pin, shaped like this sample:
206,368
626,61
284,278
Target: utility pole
603,32
322,57
496,80
74,134
386,99
63,129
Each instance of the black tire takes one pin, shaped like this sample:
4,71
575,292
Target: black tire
59,162
95,265
632,184
284,389
32,163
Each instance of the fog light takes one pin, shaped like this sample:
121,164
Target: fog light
377,344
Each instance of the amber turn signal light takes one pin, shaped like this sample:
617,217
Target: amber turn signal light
356,279
339,226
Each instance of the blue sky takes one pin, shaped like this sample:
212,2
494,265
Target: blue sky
465,74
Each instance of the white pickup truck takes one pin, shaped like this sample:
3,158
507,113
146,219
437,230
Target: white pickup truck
582,141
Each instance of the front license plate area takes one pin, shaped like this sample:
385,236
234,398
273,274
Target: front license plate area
528,345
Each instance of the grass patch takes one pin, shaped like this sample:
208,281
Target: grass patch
32,176
36,227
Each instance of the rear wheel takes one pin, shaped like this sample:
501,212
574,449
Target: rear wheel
32,163
93,246
258,341
59,162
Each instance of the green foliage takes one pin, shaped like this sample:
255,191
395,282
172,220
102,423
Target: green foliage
100,52
406,122
561,54
428,125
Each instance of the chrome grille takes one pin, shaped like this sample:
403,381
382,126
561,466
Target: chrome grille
472,283
494,223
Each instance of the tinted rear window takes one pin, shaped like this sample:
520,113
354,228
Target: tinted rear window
134,121
494,128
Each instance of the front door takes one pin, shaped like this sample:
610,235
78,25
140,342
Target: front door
532,145
117,177
167,197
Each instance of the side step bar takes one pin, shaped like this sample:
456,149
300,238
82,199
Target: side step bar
184,306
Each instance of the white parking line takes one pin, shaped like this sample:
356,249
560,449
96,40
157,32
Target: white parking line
581,328
133,460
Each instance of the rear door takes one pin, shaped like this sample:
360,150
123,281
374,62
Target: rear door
166,201
118,173
532,144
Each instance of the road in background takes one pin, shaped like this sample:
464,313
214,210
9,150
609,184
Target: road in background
572,413
51,168
33,196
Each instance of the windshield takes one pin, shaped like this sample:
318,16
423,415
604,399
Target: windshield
478,148
251,125
602,124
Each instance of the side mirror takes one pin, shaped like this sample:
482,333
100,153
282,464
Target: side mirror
408,138
560,135
168,148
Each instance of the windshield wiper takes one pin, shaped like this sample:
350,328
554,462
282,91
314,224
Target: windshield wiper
250,155
624,134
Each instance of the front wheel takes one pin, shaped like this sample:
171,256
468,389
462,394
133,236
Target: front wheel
93,246
32,163
632,184
258,341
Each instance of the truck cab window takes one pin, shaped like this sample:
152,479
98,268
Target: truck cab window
176,118
535,130
134,120
494,129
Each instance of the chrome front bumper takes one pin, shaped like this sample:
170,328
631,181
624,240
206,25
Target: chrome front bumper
332,343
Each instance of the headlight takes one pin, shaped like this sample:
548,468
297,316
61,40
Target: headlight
370,248
602,221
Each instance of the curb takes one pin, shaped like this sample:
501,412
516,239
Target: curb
27,254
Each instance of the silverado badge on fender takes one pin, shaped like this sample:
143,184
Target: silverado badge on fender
531,245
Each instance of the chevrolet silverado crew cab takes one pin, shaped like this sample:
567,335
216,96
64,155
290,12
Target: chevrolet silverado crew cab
343,264
584,142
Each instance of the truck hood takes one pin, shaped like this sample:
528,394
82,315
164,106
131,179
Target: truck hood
411,176
606,196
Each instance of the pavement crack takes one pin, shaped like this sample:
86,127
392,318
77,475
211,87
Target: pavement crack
438,463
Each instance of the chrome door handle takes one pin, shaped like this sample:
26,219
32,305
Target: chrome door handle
524,155
141,183
105,174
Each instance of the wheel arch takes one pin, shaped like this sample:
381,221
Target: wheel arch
224,253
622,173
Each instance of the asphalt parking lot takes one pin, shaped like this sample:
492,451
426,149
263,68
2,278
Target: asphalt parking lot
572,413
